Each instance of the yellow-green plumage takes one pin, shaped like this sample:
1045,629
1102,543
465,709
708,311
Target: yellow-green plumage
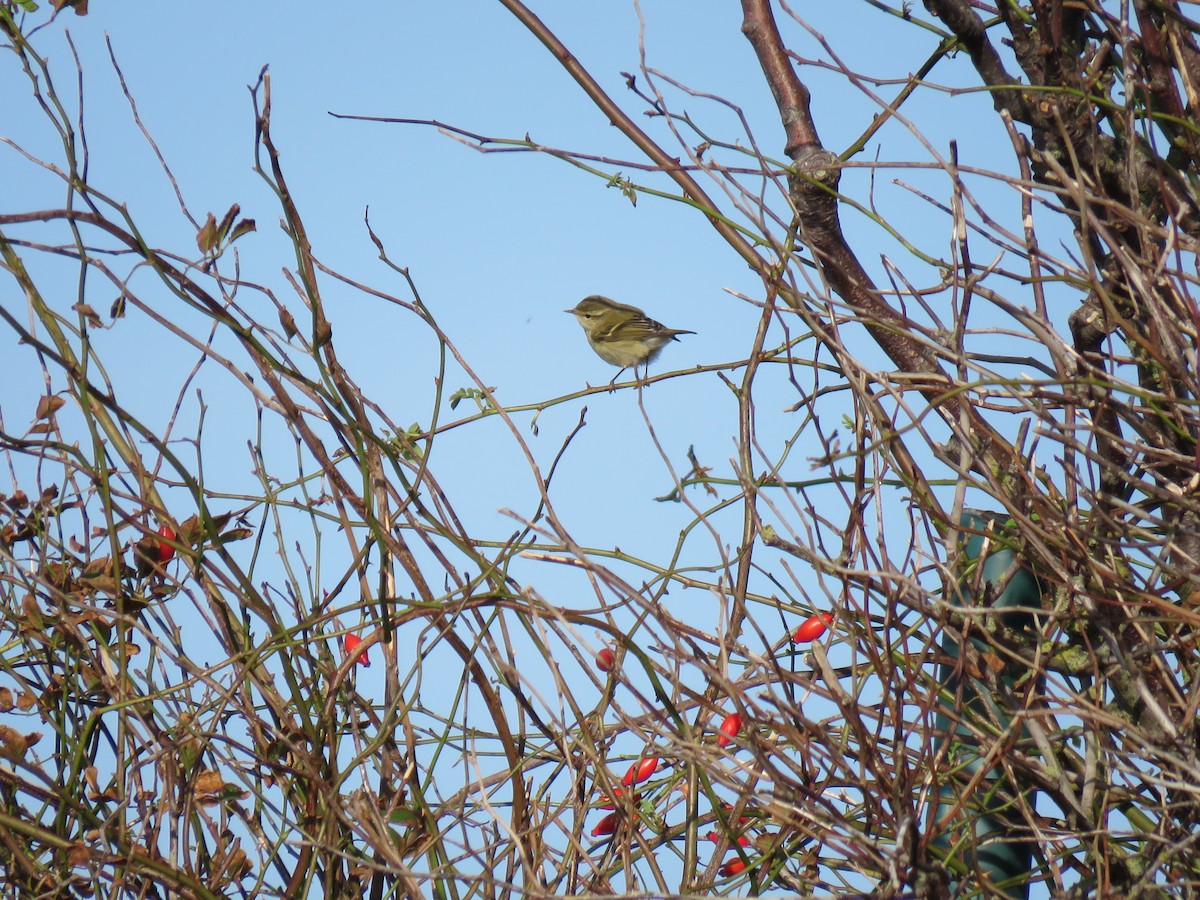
622,335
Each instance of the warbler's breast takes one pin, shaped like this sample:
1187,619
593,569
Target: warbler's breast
629,353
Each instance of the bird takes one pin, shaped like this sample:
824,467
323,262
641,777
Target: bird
622,335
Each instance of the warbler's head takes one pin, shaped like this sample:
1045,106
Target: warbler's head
596,313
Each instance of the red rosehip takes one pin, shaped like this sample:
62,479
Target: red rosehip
350,642
640,771
812,628
608,824
728,807
606,660
607,802
741,840
165,550
729,729
733,867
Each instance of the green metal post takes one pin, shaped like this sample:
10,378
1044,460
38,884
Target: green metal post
990,847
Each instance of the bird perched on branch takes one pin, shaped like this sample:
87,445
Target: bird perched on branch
622,335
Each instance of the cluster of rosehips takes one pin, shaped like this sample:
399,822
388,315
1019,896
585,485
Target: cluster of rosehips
647,766
735,865
638,772
606,661
808,630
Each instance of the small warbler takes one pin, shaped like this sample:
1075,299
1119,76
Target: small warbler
622,335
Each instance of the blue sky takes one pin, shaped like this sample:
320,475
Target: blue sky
498,244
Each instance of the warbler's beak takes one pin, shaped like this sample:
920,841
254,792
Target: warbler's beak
572,311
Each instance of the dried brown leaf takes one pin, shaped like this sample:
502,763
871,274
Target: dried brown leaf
48,405
14,745
208,237
79,854
209,782
88,313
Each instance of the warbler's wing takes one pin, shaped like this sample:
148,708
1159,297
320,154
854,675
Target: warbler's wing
637,328
632,328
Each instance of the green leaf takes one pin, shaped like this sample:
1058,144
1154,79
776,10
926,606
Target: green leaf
405,817
475,394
